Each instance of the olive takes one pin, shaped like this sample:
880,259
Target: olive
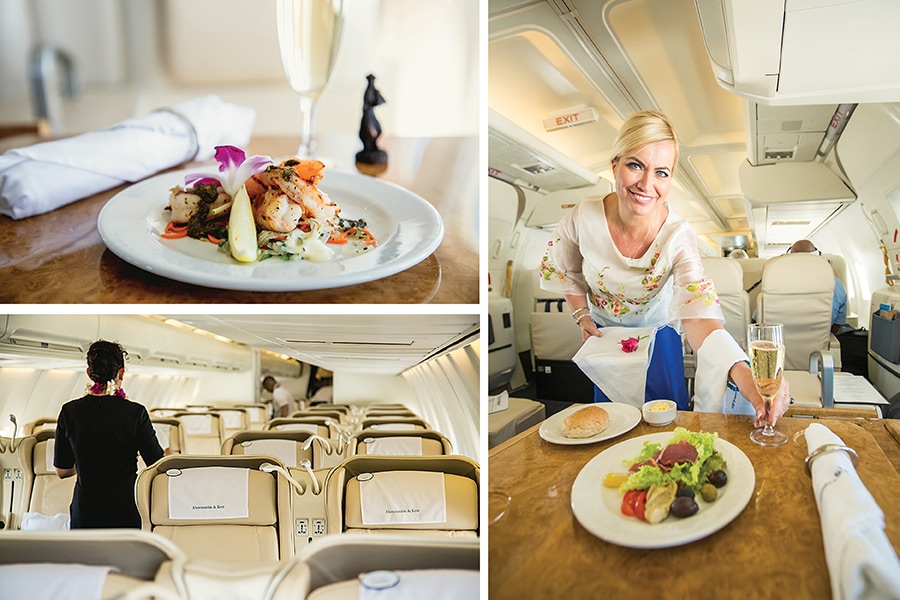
709,492
683,507
684,491
718,478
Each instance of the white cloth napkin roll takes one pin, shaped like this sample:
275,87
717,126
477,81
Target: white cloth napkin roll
43,177
621,375
861,561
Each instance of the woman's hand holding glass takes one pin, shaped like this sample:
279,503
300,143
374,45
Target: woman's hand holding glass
742,377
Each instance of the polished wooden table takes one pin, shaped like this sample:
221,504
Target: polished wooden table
772,549
59,257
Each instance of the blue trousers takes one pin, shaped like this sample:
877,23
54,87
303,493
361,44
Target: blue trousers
665,374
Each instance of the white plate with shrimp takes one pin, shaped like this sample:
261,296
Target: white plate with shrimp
407,228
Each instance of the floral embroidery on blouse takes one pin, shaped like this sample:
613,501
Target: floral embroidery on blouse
702,291
548,269
618,303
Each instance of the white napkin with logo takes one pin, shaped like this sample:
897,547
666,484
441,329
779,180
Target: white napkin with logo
621,375
861,561
43,177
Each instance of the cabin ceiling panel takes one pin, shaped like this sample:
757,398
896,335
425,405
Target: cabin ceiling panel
719,171
531,78
386,344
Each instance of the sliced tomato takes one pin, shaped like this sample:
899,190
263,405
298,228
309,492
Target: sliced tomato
640,502
633,503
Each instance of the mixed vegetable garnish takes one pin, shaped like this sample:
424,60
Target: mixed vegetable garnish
254,209
665,479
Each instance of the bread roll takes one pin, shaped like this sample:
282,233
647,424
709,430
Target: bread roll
586,422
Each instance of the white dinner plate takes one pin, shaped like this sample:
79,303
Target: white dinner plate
597,507
407,227
622,418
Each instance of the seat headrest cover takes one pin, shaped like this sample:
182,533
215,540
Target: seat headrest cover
396,446
258,491
797,274
391,497
284,450
726,273
197,424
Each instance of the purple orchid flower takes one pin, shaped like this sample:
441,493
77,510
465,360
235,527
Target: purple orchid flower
234,169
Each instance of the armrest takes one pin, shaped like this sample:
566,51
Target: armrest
824,359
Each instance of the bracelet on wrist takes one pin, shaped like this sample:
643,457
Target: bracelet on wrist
579,310
584,316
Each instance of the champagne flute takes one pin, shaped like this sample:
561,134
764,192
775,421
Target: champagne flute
766,341
309,36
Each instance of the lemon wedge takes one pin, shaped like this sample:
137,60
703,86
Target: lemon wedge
241,228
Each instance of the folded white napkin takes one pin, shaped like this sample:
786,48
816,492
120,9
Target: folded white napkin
434,584
861,561
621,375
43,177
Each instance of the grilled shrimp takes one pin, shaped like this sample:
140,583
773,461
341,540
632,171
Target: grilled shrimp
276,212
284,194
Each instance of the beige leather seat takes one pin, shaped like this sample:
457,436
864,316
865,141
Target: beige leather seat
328,413
258,413
170,434
410,495
203,432
222,508
394,423
519,415
287,446
381,442
234,419
316,425
338,564
45,497
164,412
553,336
797,291
42,424
390,412
752,269
728,277
141,563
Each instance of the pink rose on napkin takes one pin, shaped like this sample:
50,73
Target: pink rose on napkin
631,344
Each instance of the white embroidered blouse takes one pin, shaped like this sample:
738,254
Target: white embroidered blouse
662,287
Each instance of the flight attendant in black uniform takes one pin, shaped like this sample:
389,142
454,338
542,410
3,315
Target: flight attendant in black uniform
98,437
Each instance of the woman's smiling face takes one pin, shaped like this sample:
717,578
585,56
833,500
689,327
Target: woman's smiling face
644,175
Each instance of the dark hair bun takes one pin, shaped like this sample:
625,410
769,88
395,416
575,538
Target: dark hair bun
104,359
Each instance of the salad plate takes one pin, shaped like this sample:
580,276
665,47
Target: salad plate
408,229
598,510
622,419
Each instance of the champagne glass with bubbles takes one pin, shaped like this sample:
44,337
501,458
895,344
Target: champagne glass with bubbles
766,342
309,36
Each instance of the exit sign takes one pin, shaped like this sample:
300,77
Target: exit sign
570,118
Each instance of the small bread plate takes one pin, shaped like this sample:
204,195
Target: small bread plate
598,508
622,419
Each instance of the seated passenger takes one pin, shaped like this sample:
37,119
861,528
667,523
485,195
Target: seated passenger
839,303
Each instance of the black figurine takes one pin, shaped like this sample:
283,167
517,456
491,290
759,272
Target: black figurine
371,160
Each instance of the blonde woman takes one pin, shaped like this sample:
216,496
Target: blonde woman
628,260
